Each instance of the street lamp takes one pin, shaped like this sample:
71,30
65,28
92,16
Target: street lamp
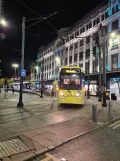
3,22
88,92
41,96
104,103
15,66
20,103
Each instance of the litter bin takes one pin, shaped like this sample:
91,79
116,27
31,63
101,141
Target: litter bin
113,96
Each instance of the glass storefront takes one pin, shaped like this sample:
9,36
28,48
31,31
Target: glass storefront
92,87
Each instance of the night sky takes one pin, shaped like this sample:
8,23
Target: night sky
40,34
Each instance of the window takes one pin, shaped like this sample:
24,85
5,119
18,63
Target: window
81,56
115,42
70,59
67,40
81,30
76,33
117,9
94,22
81,65
106,30
88,40
71,37
113,10
115,62
66,59
89,25
106,15
75,58
66,50
94,67
98,20
86,67
76,45
103,17
81,43
115,25
94,50
88,53
102,65
71,47
52,65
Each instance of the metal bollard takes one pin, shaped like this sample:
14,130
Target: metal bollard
110,117
109,108
94,113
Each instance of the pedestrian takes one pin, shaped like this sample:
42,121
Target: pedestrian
52,92
13,90
96,94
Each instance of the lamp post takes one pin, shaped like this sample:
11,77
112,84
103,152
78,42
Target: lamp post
88,92
15,66
20,103
99,46
104,103
57,66
42,68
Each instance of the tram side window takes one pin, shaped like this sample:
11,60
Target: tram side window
83,80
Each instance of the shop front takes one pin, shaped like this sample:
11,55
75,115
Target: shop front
92,87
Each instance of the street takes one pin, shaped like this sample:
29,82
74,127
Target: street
49,126
37,112
100,145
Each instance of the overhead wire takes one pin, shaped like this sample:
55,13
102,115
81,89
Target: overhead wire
32,10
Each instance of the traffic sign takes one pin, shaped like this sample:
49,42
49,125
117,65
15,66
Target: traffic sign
23,73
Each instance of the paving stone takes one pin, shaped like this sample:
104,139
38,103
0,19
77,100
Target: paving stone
27,141
30,133
6,159
41,130
23,156
38,146
53,137
43,141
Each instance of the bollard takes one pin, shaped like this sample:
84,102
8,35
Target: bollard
110,117
94,113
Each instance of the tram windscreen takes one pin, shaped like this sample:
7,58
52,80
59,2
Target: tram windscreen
70,81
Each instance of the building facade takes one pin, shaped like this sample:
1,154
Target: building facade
76,45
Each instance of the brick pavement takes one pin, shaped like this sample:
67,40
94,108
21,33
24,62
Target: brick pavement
47,138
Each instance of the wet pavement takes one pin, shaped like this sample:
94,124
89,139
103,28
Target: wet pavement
100,145
47,125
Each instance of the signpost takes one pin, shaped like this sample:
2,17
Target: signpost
23,73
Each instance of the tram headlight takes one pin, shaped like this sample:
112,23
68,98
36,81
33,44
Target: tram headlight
78,94
61,94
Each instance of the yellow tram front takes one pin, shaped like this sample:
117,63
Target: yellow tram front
71,85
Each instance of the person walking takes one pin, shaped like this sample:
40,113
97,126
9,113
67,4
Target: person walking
13,90
52,92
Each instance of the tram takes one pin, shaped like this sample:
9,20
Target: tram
71,85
